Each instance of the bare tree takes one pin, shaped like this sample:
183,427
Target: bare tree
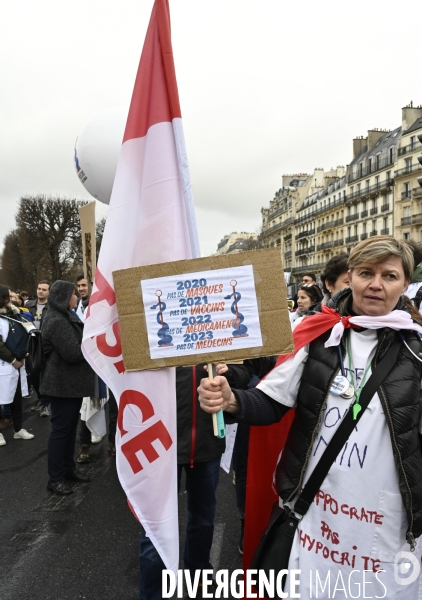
13,272
46,243
99,232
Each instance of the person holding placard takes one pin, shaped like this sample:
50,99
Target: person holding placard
356,363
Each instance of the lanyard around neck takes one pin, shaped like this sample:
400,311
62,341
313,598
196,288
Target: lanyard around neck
358,390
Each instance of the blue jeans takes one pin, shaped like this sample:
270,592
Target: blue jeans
201,486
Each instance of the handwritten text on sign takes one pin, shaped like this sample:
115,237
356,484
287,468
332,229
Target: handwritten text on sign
196,312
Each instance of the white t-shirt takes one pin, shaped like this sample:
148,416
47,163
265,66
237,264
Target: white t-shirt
357,521
38,314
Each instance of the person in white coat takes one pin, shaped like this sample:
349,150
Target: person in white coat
12,371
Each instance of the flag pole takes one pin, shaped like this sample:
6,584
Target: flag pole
217,418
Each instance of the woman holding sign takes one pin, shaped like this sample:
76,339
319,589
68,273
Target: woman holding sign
355,383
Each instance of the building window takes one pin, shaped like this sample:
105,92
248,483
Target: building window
406,236
370,165
377,161
412,142
391,155
388,175
406,211
408,165
367,184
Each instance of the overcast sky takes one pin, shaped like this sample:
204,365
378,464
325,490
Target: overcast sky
266,87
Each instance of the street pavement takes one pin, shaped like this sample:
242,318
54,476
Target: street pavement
84,545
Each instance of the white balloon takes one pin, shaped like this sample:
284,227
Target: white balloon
97,150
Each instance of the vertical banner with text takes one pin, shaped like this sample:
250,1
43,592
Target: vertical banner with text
151,219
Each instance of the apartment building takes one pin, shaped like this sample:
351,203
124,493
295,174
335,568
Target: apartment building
320,216
314,217
369,201
236,242
408,193
278,219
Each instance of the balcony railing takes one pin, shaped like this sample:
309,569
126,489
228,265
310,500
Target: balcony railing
364,214
385,207
287,237
287,222
287,254
339,242
417,192
406,220
372,190
385,231
330,225
351,239
410,148
272,229
277,212
405,195
407,170
374,210
352,217
374,232
417,218
373,168
321,210
306,233
363,236
325,246
307,267
303,251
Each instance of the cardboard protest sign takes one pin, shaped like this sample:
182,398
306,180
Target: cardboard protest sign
215,309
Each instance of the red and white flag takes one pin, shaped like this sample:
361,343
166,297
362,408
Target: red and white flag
151,219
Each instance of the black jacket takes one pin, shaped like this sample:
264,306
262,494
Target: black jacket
196,442
399,395
31,305
66,373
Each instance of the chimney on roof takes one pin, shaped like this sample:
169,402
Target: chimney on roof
358,145
409,114
373,136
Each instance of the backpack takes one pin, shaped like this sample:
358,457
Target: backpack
17,338
35,360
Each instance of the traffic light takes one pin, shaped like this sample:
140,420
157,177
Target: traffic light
420,159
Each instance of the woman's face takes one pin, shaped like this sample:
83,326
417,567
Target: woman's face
377,288
340,283
303,300
73,302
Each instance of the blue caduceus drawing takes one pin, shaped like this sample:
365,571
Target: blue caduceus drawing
240,329
163,333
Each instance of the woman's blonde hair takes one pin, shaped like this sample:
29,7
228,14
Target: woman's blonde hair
378,248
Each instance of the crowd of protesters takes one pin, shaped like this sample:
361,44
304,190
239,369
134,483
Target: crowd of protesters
67,379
